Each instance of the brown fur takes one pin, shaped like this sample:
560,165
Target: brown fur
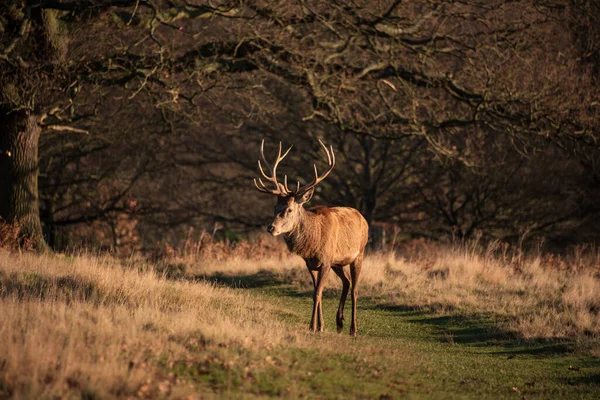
330,238
335,236
321,210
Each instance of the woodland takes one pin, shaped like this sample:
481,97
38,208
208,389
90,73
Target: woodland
126,125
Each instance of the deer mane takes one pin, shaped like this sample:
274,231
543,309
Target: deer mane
305,239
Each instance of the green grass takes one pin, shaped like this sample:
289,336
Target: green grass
401,352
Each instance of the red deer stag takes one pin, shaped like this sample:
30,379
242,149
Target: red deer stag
326,238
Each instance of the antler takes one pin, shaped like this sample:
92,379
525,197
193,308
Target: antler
318,179
279,190
282,189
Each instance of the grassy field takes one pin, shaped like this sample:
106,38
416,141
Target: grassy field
440,323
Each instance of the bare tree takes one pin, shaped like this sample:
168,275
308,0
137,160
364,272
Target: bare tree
399,88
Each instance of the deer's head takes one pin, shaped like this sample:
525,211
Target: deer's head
289,202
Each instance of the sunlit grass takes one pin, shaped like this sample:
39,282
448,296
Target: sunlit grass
535,296
99,327
88,322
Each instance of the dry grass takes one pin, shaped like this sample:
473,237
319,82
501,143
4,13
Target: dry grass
90,325
206,257
258,248
534,295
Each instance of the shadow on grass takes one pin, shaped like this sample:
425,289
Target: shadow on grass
590,380
471,330
400,310
260,279
539,348
269,281
26,286
444,325
460,329
272,283
478,330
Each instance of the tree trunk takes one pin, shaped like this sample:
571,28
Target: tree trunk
19,139
369,207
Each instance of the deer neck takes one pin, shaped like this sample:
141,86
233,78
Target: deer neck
305,239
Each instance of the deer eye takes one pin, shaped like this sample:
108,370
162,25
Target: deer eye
289,210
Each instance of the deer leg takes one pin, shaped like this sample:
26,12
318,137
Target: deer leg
344,276
313,275
317,321
355,268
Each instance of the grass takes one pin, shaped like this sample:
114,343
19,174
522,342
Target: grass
456,323
406,351
536,296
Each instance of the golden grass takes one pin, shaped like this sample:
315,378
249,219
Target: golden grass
536,295
90,325
96,326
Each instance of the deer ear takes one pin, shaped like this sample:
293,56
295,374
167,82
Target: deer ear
304,197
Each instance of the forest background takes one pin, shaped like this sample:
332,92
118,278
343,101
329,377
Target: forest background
132,125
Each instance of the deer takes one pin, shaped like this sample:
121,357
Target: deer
326,238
